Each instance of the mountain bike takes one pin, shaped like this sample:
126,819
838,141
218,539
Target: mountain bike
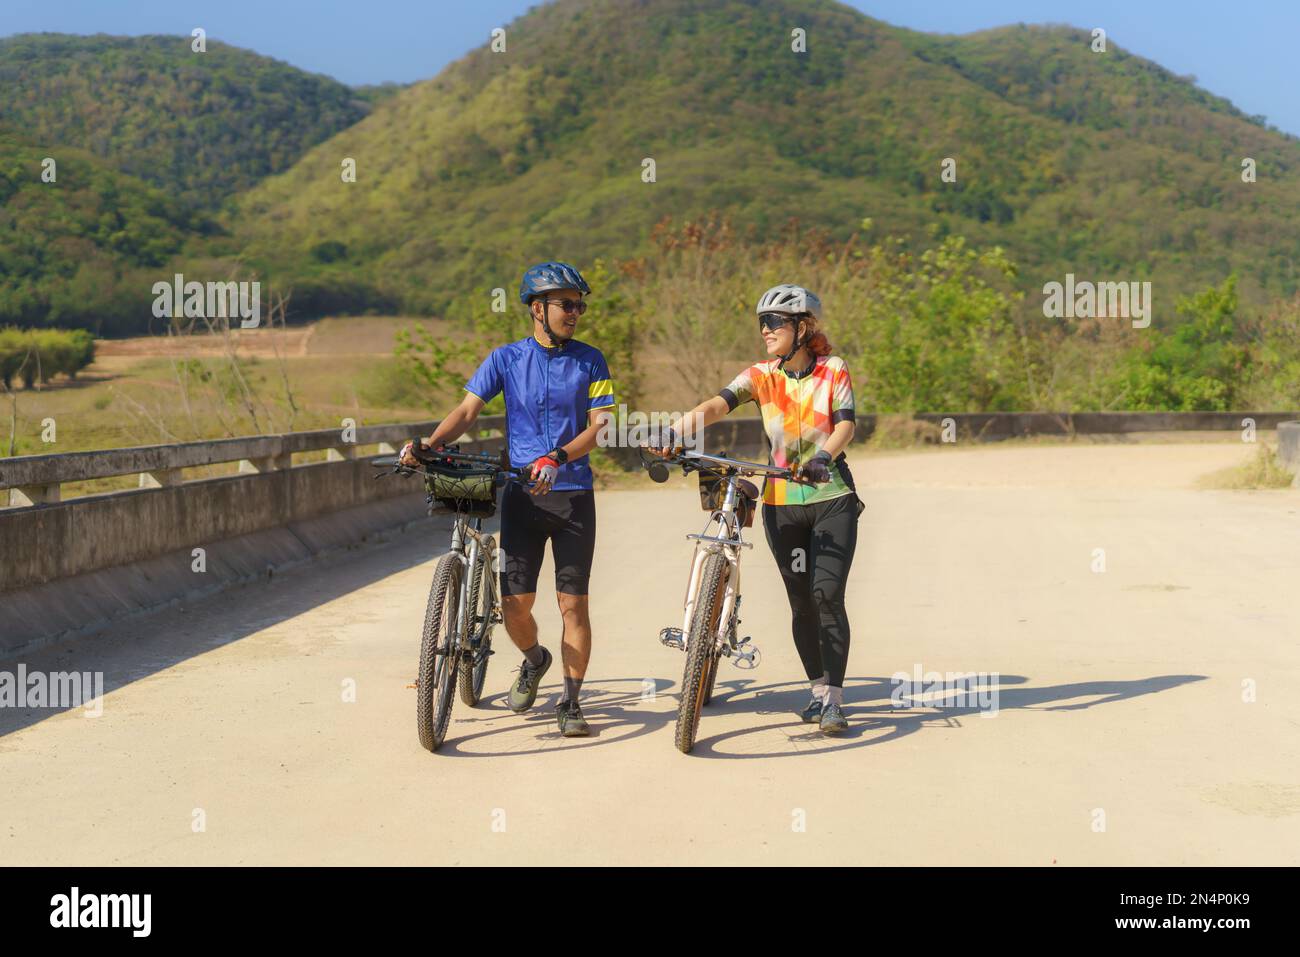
464,605
712,609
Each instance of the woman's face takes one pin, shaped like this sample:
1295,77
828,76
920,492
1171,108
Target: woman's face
780,340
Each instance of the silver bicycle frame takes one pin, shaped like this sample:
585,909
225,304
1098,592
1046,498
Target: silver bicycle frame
729,540
459,533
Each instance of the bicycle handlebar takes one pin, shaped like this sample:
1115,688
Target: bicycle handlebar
749,468
453,454
443,462
704,462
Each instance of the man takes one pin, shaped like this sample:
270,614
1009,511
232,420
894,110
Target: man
556,390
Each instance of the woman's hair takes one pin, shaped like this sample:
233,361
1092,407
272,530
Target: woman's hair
817,343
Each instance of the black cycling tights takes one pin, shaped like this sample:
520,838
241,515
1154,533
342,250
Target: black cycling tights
813,546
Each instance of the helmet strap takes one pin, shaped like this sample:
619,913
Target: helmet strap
546,327
795,347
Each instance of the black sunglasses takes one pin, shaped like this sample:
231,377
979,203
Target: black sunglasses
569,306
774,320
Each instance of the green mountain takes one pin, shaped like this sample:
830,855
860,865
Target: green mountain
200,126
85,249
1100,164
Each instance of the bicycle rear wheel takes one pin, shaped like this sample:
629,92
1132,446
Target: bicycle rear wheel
473,667
701,650
439,651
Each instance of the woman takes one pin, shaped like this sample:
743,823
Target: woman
806,400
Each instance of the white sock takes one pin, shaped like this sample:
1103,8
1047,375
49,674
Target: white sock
819,689
834,696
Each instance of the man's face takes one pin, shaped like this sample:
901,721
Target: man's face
563,322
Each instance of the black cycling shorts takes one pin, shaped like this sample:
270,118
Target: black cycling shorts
566,519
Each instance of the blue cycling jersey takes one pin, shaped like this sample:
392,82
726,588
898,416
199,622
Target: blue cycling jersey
549,393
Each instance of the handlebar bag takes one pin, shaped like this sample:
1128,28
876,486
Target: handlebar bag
470,491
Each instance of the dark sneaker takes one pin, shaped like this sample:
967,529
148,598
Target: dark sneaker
833,721
812,713
524,691
572,723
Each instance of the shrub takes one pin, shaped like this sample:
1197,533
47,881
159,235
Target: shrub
1199,365
29,353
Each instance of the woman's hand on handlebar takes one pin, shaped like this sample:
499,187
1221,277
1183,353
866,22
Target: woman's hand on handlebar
816,471
670,444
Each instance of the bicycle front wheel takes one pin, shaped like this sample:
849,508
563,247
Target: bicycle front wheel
701,650
439,651
712,674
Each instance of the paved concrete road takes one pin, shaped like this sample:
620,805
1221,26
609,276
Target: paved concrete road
1120,697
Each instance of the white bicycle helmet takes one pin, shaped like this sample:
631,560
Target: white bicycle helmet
790,300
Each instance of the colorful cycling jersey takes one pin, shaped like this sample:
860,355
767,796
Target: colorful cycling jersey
549,393
799,414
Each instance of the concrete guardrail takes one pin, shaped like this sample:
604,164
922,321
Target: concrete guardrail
73,565
1288,447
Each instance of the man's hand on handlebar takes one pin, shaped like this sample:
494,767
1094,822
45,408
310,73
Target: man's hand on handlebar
543,475
408,457
405,457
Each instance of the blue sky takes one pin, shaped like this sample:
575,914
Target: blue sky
1243,51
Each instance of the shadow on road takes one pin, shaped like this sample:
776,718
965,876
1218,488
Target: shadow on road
606,704
874,719
138,647
619,710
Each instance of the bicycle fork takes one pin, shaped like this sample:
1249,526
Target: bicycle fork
743,653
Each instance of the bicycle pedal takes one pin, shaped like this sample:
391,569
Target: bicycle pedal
746,658
672,637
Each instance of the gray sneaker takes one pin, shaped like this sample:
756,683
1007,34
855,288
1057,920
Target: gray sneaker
812,713
833,720
524,691
572,723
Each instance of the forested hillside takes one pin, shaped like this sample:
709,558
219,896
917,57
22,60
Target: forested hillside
199,125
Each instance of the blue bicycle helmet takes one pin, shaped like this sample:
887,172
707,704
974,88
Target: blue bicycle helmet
545,277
